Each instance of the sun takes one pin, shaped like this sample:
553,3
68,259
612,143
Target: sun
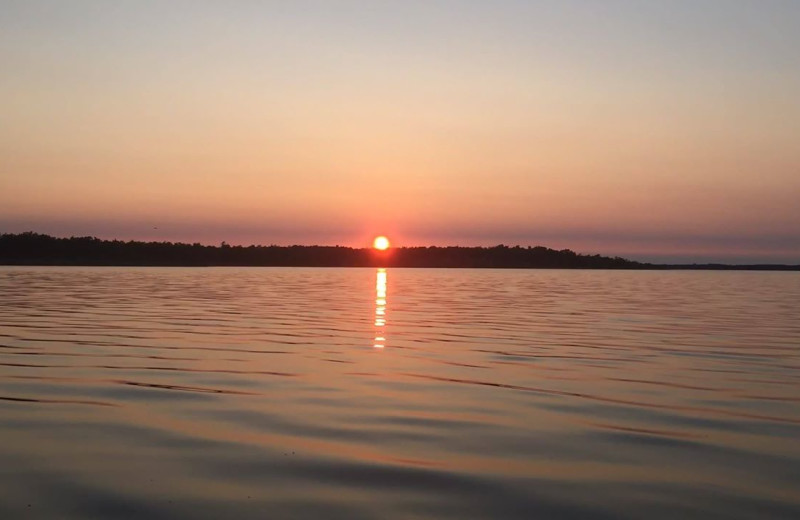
381,243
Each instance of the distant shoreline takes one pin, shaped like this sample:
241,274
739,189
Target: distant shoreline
647,267
34,249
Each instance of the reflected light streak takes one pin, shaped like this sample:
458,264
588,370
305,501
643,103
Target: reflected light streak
380,308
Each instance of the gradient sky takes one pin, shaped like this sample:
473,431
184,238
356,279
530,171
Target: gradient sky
653,130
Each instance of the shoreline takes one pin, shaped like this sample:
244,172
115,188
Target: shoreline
36,249
651,267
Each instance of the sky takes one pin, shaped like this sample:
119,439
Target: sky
661,131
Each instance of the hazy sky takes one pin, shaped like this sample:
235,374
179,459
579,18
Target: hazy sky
649,129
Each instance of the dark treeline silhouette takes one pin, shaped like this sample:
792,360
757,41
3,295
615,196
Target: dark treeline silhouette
37,249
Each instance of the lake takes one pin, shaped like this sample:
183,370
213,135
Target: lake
400,393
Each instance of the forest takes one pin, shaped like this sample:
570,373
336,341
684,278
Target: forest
31,248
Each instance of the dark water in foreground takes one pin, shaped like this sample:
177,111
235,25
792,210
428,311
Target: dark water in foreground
351,393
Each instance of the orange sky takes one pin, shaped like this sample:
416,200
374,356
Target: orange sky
646,131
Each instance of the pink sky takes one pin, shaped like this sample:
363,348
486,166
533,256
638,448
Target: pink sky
616,129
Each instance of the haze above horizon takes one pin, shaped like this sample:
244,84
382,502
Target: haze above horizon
653,131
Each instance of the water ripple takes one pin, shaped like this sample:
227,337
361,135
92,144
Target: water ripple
356,393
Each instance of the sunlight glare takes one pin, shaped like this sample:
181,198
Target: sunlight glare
380,301
381,243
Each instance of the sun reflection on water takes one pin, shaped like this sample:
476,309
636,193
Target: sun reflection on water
380,308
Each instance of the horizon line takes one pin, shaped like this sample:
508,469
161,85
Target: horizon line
224,244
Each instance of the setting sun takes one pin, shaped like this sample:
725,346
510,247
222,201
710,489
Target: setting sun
381,243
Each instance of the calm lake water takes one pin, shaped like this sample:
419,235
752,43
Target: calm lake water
356,393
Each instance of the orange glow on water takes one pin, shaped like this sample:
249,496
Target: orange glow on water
380,304
381,243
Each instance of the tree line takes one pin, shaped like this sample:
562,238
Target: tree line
31,248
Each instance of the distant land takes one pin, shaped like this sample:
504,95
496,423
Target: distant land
31,248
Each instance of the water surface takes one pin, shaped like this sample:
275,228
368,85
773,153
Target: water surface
356,393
